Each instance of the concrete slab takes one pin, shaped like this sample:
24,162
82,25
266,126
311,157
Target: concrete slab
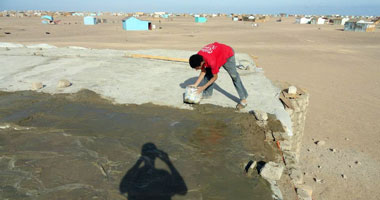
130,80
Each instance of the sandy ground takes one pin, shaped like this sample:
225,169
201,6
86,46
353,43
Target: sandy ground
339,69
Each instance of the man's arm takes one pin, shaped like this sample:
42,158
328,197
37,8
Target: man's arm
200,78
211,81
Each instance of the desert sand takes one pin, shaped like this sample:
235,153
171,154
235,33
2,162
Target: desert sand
339,69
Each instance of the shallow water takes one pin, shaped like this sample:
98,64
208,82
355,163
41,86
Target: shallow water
80,146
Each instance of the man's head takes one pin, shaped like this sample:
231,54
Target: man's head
196,61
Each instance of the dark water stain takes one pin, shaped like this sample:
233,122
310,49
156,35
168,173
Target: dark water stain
81,146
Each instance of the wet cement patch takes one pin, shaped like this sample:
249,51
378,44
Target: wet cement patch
80,146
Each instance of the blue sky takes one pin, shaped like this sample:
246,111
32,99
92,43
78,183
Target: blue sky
344,7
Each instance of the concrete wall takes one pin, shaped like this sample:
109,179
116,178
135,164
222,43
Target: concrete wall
290,146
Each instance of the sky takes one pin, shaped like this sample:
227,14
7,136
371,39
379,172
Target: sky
316,7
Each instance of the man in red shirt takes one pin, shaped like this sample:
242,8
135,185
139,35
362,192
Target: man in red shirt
209,60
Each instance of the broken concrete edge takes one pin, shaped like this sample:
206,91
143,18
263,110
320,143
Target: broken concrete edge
289,146
281,113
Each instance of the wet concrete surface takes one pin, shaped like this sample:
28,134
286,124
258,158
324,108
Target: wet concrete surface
80,146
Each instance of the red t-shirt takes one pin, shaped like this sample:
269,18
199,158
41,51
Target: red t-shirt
215,55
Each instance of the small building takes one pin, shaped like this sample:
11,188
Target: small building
318,20
165,16
359,26
350,25
303,20
261,19
134,24
89,20
249,18
46,19
338,21
200,19
376,21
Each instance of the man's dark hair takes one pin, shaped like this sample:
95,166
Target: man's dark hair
195,60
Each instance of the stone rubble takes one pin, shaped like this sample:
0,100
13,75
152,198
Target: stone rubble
260,115
272,171
320,143
304,192
64,83
37,85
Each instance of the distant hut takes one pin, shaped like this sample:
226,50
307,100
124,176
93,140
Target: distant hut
338,21
134,24
46,19
363,26
376,21
249,18
89,20
359,26
303,20
317,20
200,19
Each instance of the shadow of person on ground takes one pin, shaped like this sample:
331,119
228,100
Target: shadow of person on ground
149,183
191,81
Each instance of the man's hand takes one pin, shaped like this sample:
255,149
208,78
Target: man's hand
200,90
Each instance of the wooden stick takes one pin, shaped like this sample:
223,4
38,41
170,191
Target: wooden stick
157,57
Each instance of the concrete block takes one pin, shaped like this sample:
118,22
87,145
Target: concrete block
304,192
63,83
285,145
272,171
260,115
292,90
297,176
37,85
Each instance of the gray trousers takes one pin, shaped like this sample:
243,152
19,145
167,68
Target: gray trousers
230,67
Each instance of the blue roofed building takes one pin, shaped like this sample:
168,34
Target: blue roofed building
200,19
89,20
134,24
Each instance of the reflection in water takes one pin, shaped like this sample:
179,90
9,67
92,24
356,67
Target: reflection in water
147,182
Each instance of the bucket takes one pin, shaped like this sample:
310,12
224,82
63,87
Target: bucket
191,95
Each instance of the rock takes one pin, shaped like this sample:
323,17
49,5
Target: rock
318,180
332,150
320,142
272,171
358,163
319,166
250,167
297,176
285,145
292,90
37,85
64,83
277,195
260,115
304,192
344,176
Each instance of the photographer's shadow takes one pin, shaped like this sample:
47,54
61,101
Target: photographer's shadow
149,183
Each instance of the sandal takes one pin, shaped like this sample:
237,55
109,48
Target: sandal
241,105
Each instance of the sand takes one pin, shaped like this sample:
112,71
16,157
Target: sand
339,69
